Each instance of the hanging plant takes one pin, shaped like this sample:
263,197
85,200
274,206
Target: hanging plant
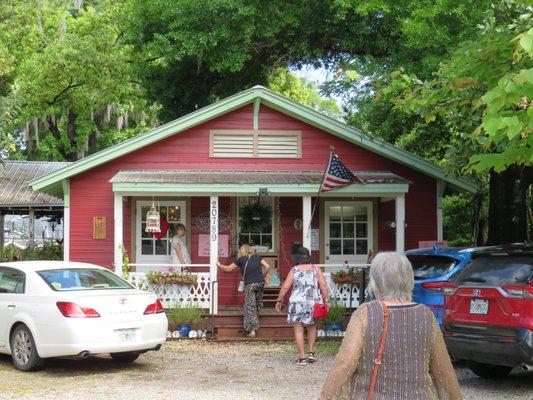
255,217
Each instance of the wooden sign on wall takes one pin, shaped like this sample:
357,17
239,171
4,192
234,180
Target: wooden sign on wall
99,225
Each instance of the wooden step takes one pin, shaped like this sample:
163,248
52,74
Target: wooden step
271,332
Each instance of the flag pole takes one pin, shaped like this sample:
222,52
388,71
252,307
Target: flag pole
331,150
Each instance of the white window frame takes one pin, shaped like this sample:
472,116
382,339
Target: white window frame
139,204
273,205
358,258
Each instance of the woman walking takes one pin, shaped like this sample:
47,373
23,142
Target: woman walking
253,269
393,347
306,280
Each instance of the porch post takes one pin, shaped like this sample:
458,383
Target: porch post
213,252
306,221
31,225
66,219
2,231
118,227
400,223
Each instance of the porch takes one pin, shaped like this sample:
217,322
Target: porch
340,227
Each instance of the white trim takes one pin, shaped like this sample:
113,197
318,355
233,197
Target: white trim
306,221
213,251
400,223
341,258
118,232
143,258
66,219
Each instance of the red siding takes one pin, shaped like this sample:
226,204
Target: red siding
91,193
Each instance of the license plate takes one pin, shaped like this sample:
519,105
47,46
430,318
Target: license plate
479,306
126,335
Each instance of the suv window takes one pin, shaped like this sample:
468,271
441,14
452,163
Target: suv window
82,279
426,267
497,270
11,281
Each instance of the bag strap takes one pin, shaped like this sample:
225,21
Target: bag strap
381,349
245,267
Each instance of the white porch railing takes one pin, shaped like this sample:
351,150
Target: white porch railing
345,293
170,295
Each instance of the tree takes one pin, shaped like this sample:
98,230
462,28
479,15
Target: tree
483,94
72,85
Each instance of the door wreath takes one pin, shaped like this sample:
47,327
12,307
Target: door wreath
255,217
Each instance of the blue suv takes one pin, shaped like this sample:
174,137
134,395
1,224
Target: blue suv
433,266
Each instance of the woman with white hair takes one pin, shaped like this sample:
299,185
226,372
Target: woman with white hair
393,347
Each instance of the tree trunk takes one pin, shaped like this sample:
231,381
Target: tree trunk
71,132
508,205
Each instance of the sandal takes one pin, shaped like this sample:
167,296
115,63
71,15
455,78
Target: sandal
311,357
301,361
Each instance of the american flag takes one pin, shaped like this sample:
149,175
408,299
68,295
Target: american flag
337,175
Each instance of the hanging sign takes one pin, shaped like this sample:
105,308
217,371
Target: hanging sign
99,231
203,222
204,245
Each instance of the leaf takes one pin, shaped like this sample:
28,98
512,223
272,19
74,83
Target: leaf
353,75
429,118
493,124
526,42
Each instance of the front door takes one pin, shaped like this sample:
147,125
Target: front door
148,248
349,231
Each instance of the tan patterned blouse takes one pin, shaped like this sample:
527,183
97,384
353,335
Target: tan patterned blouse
415,364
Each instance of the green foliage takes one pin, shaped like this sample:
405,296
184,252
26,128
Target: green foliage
171,278
186,313
336,313
460,215
48,251
307,93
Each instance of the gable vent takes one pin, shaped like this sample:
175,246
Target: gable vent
255,144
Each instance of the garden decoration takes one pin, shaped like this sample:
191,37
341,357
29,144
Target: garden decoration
183,315
255,217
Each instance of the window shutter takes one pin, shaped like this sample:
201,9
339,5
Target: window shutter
285,145
228,145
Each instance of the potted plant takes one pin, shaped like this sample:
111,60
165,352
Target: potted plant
342,277
183,314
336,316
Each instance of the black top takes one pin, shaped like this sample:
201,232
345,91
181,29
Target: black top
254,271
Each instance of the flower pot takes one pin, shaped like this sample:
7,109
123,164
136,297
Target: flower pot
337,326
184,330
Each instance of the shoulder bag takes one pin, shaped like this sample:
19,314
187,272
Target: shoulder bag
320,310
241,283
381,349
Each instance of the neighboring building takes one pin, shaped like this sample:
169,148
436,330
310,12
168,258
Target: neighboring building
27,215
212,163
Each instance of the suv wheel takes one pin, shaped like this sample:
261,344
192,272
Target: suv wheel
23,350
125,358
489,371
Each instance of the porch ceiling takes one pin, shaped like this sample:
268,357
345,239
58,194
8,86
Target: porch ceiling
294,183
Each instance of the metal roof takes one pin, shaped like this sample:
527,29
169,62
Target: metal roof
14,188
243,177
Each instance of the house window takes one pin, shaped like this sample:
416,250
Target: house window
255,144
150,248
260,234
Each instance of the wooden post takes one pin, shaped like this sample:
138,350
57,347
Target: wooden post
213,252
2,232
400,223
31,226
118,236
306,221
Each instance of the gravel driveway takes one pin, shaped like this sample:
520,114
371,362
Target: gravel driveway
200,370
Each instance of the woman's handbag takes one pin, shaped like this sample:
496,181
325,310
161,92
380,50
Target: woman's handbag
320,310
241,283
381,348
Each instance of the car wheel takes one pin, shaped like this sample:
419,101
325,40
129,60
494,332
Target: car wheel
127,357
489,371
23,350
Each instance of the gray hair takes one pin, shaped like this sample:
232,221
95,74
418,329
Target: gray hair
391,277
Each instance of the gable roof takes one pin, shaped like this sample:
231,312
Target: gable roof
14,189
51,183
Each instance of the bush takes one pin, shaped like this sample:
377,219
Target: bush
186,313
52,251
337,312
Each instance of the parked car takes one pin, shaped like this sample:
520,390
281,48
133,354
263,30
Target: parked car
488,318
432,267
54,309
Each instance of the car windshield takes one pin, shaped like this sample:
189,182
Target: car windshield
428,266
82,279
497,270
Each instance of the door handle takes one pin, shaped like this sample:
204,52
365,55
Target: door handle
11,306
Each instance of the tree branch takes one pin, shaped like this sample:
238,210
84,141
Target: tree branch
70,86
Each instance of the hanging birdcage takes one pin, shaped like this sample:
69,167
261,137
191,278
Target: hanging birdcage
153,220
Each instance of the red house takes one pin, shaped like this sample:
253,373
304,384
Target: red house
208,169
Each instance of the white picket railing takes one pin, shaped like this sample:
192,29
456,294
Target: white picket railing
345,293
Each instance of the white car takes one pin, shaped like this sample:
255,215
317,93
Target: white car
56,309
